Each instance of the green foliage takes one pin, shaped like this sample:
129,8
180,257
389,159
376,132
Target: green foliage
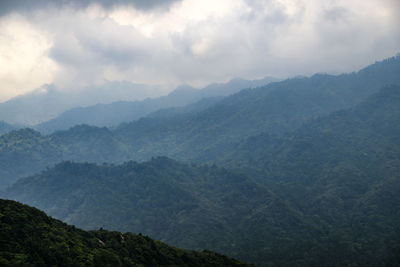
28,237
197,207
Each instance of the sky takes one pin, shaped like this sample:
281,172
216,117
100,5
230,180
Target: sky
73,44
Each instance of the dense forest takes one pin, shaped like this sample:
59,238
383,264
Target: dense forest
302,172
28,237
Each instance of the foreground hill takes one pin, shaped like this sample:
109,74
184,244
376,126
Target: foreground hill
28,237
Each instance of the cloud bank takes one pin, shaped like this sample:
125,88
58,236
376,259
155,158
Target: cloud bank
73,44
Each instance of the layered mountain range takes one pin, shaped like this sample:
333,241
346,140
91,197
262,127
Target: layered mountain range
299,172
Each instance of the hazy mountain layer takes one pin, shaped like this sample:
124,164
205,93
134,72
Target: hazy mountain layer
205,133
28,237
5,127
47,102
118,112
275,109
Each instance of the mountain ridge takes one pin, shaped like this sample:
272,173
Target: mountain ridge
115,113
206,134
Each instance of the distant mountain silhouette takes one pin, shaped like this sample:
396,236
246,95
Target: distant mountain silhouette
124,111
48,102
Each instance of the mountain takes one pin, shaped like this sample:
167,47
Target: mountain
196,107
25,151
195,207
5,127
323,194
276,109
341,172
48,102
368,130
28,237
124,111
207,132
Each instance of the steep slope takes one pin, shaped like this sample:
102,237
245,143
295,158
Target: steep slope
123,111
28,237
187,206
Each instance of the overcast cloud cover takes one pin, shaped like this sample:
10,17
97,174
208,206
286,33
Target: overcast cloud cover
73,44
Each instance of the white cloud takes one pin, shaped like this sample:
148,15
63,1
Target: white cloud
24,62
193,41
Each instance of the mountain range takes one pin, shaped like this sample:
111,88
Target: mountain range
320,192
48,109
300,172
49,101
205,134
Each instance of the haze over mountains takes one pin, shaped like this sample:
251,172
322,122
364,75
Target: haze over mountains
320,181
202,135
303,171
106,105
126,119
5,127
48,101
123,111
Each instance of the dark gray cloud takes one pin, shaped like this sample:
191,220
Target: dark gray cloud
7,6
194,42
337,14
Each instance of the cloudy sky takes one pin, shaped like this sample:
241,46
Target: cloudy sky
73,44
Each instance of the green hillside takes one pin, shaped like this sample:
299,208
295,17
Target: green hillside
28,237
196,207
